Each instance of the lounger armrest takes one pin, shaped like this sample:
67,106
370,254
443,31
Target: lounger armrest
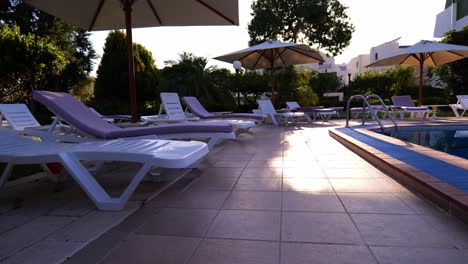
53,137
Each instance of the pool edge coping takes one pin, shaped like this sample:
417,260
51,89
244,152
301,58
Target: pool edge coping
449,198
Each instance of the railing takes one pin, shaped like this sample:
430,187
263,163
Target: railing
366,102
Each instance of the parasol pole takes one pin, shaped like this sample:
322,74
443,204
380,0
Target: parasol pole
131,66
273,83
421,67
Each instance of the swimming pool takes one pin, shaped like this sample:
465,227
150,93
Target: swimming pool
449,139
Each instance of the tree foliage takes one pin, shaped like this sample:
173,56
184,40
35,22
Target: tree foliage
189,76
323,82
392,81
454,74
251,86
314,22
71,40
111,90
27,62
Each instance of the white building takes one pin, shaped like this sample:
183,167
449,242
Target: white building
357,64
455,16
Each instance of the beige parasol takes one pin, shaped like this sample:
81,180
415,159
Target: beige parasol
424,53
271,54
116,14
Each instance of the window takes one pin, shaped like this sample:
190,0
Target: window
357,65
376,56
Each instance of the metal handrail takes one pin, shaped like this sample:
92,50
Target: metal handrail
395,126
366,102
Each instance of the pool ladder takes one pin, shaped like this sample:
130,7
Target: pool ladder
366,102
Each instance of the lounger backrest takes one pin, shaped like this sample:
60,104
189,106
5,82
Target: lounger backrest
172,106
266,106
195,107
75,113
293,105
18,116
402,100
463,101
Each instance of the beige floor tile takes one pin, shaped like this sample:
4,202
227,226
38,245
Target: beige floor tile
152,249
20,216
254,200
333,163
93,225
357,185
254,225
397,255
221,172
231,163
314,227
213,184
262,172
419,205
214,251
319,228
271,163
315,172
178,222
258,184
267,155
354,173
374,203
46,251
307,184
399,230
312,202
96,250
227,156
75,208
25,235
298,253
201,199
456,231
392,185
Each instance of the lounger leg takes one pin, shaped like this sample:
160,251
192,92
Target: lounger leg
315,116
273,119
6,174
96,168
455,111
212,142
94,190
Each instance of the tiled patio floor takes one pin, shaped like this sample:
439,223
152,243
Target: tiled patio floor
281,195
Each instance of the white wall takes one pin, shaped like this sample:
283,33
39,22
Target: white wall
382,51
446,20
358,64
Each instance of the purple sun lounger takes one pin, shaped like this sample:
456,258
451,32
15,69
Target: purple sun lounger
404,104
197,109
76,114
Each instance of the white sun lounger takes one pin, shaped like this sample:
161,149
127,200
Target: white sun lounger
16,149
277,118
174,112
316,111
19,118
90,124
462,105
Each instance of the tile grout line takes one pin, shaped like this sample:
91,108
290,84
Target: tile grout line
204,235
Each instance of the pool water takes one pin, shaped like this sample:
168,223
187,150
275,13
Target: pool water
449,140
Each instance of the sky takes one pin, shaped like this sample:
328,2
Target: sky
375,22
